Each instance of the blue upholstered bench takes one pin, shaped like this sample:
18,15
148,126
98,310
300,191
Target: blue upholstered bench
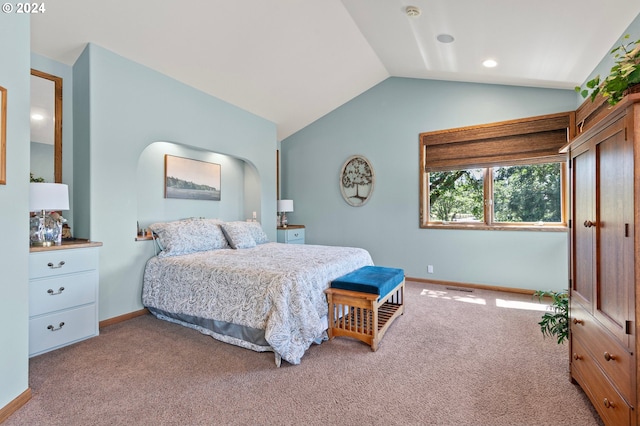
364,303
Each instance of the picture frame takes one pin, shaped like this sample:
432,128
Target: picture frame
190,179
3,136
357,180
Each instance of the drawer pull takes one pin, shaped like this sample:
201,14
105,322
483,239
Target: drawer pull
60,265
577,357
608,404
52,328
608,356
53,293
578,321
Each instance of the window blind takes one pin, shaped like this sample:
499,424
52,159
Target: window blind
524,141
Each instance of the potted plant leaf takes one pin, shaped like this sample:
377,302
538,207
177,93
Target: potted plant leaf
32,178
555,322
624,74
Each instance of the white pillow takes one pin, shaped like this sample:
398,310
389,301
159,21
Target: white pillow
238,234
257,232
189,236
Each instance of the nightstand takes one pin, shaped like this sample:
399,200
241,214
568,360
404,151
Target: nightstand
63,295
292,234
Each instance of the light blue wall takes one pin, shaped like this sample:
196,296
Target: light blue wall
383,125
81,148
121,108
14,211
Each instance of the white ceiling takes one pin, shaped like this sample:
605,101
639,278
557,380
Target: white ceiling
293,61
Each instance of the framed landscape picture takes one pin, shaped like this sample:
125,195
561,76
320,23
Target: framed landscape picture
191,179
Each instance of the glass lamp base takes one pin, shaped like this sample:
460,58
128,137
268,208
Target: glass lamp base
45,231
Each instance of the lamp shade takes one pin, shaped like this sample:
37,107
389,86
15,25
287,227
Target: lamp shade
48,196
285,205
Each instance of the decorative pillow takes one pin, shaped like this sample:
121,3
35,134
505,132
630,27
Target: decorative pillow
256,231
238,235
189,236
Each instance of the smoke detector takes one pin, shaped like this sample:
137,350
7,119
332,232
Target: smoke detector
445,38
412,11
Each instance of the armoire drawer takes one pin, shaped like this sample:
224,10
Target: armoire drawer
62,292
49,332
611,406
609,354
58,262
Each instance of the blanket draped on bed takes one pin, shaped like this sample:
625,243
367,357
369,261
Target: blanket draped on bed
269,297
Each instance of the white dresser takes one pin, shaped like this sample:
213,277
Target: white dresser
292,234
63,295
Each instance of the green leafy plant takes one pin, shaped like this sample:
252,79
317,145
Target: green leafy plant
555,322
35,179
624,73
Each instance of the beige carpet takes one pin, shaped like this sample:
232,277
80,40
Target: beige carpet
454,358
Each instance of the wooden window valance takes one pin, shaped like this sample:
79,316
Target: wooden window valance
522,141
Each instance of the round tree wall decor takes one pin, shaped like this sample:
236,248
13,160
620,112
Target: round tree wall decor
357,180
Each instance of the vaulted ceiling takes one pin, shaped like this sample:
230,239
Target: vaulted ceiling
293,61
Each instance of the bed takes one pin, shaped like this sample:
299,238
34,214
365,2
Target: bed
226,280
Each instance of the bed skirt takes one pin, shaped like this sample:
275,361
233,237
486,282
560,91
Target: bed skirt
238,335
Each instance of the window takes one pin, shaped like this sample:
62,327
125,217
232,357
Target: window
508,175
456,196
524,194
528,194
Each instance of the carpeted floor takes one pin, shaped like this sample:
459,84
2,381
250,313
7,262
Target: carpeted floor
454,358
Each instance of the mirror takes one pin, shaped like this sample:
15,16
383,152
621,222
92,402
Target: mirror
46,127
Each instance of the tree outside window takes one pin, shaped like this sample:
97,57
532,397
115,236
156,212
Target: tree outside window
519,194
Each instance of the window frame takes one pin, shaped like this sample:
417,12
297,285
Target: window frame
521,136
489,221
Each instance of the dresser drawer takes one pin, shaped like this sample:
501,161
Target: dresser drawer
609,354
611,406
295,236
58,262
62,292
49,332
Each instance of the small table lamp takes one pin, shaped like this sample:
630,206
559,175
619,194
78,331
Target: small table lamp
46,230
284,206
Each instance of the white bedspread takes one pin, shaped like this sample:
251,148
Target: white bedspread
278,288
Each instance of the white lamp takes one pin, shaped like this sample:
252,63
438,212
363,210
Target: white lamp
284,206
46,229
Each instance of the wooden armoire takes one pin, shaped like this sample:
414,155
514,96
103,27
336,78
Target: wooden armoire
604,165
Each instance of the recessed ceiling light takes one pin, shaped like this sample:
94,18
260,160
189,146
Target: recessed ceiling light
412,11
37,117
490,63
445,38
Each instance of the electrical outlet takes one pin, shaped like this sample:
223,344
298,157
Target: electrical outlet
430,269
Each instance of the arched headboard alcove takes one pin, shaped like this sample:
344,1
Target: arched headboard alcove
240,187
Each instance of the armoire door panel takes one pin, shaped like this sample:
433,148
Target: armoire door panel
583,234
612,286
